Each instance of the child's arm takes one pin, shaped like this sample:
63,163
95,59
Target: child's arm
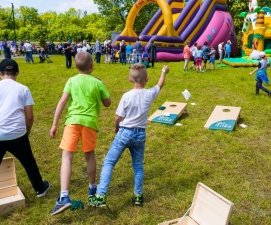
253,71
29,117
259,66
161,81
59,109
106,102
118,119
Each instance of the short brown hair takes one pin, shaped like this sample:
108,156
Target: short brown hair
83,60
138,73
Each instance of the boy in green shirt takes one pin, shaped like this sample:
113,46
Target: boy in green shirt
84,94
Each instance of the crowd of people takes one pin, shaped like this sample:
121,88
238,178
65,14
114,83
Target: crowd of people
203,54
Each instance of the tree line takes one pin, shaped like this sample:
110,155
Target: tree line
78,24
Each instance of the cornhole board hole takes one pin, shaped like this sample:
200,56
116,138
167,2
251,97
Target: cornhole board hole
208,208
10,194
168,113
223,118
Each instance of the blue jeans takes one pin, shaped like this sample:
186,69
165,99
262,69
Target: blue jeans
28,56
134,139
227,54
139,57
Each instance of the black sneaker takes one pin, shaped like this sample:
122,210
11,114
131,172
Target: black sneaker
138,200
46,187
269,94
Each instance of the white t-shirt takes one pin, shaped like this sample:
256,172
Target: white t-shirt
220,49
84,49
79,50
13,98
28,47
194,51
134,107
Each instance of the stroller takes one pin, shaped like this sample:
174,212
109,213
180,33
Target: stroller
44,57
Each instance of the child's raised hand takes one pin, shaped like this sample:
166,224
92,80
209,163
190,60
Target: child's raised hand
166,68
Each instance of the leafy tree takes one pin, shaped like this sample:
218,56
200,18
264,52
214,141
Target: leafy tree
42,42
29,15
115,13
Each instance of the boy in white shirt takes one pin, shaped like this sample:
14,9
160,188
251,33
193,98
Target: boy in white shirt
130,123
16,120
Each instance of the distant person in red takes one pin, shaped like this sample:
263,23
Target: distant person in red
187,55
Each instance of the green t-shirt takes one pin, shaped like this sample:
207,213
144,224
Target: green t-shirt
86,93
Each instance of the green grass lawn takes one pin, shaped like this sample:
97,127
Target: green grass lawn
235,164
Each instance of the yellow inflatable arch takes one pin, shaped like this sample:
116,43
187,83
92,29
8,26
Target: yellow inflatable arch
166,30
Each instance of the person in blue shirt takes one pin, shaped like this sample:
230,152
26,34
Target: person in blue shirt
139,49
227,49
98,50
129,51
6,48
205,55
261,75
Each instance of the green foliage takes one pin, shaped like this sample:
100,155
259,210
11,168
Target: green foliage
116,12
234,164
42,42
243,14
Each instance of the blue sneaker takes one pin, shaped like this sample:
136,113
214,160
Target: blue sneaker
61,205
92,191
91,194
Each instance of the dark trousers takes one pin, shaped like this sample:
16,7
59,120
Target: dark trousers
21,149
123,58
259,85
7,55
152,62
98,57
68,61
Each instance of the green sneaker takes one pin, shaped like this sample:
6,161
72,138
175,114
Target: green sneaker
138,200
97,201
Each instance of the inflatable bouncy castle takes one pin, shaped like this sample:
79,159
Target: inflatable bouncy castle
179,21
256,31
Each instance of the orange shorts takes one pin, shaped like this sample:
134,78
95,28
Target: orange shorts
71,137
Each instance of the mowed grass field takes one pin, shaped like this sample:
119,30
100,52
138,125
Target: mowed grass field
235,164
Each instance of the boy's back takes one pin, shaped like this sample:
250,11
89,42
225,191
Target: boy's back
130,123
134,106
84,105
12,103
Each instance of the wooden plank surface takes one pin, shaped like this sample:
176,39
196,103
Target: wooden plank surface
171,108
221,114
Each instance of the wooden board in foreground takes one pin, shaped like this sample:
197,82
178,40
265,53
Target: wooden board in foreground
223,118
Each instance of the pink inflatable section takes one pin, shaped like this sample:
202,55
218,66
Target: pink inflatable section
220,29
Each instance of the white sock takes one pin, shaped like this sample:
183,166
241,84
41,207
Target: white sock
64,193
92,186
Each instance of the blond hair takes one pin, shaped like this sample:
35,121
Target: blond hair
83,60
138,73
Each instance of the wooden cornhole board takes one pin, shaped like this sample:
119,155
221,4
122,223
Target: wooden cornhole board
10,194
208,208
174,111
223,118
